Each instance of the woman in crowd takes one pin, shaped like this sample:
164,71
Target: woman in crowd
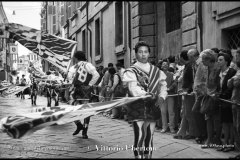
234,83
168,105
226,73
212,112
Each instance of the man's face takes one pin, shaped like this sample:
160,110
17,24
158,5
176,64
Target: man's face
143,54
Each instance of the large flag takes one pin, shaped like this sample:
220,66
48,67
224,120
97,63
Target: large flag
12,90
55,50
27,123
36,71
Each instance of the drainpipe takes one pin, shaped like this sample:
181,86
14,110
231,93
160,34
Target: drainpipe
46,17
129,31
200,24
156,31
90,34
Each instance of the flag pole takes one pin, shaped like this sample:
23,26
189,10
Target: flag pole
73,51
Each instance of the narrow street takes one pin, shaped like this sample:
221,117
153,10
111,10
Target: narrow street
108,138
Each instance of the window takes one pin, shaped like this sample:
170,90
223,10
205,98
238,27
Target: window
234,38
173,15
50,9
79,4
62,14
97,37
69,10
74,6
118,23
43,22
54,20
20,60
84,40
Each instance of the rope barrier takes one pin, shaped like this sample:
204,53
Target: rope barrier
229,101
174,95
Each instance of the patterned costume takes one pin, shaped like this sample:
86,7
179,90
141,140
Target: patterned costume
81,83
143,79
148,82
85,77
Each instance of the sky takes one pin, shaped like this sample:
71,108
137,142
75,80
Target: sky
26,13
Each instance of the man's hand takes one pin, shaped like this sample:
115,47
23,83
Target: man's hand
152,96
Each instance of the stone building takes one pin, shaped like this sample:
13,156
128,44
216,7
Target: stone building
108,31
173,26
4,48
101,28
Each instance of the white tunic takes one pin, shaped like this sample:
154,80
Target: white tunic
136,90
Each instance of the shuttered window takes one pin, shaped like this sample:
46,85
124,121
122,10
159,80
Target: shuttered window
173,15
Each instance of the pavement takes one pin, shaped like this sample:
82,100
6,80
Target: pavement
108,138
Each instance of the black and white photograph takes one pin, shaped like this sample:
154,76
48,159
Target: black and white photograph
119,79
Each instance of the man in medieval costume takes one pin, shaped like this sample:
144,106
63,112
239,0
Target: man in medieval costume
144,79
85,78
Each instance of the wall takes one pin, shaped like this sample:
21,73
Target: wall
143,25
108,32
167,43
218,17
189,25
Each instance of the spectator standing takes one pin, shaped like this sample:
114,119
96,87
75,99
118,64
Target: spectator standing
212,114
234,83
226,73
168,105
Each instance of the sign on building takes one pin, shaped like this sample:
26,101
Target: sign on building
13,49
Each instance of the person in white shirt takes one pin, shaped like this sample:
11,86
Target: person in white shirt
85,78
144,79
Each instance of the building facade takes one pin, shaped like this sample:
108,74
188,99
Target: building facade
4,48
108,31
185,25
102,29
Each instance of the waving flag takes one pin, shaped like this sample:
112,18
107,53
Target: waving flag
55,50
21,125
12,90
36,71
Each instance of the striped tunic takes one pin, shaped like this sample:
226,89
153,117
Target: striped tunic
143,79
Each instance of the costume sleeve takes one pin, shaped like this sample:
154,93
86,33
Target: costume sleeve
115,81
106,78
92,70
163,85
134,89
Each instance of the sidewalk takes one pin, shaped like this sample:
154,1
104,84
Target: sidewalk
108,138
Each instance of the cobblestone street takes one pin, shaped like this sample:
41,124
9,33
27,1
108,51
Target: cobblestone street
108,138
